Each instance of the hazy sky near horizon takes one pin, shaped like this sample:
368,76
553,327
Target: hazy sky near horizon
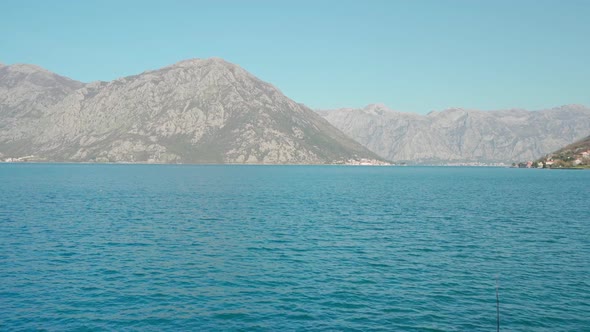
414,56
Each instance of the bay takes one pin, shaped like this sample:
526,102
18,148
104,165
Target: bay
306,248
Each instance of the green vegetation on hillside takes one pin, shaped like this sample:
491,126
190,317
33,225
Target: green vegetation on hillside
575,155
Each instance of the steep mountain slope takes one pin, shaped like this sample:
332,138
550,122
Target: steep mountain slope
458,135
194,111
576,154
28,93
576,147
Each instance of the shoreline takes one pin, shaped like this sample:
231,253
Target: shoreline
242,164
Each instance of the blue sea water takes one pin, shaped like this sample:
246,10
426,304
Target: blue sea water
306,248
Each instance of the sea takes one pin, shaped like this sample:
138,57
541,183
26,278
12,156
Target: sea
91,247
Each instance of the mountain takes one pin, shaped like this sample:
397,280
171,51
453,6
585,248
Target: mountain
195,111
576,154
460,135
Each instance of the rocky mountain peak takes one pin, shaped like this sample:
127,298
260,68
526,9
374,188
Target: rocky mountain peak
377,108
202,74
208,65
26,68
201,62
16,74
455,110
194,111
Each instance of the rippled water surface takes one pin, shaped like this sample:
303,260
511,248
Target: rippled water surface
132,247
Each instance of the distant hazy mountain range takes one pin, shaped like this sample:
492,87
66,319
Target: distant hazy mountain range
195,111
459,135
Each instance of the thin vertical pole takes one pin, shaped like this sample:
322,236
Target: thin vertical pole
497,305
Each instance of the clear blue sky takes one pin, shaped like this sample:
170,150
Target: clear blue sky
414,56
